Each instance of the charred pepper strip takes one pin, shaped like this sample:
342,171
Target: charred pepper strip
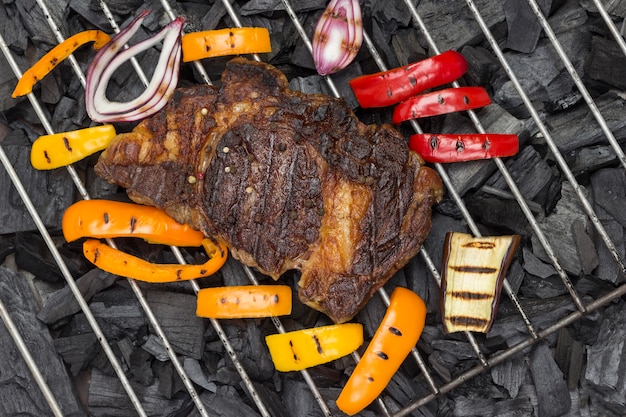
109,219
61,149
396,335
471,279
246,301
221,42
120,263
57,54
444,101
301,349
393,86
463,147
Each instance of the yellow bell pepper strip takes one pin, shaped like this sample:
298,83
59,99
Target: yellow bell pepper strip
301,349
396,335
61,149
57,54
247,301
120,263
105,219
221,42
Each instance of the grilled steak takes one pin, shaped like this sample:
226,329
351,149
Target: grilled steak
287,180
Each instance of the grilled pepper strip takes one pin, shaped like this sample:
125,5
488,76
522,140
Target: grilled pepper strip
247,301
396,335
393,86
61,149
463,147
109,219
221,42
301,349
120,263
471,279
439,102
57,54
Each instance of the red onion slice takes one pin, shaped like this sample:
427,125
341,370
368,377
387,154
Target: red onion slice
113,55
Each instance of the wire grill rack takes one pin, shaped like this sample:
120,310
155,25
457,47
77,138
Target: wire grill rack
484,362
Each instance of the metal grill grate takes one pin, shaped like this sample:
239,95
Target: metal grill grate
534,334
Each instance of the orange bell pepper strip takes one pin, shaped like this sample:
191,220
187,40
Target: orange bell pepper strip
221,42
61,149
120,263
57,54
247,301
109,219
396,335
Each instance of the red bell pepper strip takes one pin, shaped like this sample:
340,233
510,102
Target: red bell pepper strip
396,335
391,87
463,147
449,100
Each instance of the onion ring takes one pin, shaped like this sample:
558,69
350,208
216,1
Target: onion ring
113,55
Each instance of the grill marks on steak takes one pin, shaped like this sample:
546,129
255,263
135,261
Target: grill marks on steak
291,180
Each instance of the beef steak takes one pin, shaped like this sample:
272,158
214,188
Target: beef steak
287,180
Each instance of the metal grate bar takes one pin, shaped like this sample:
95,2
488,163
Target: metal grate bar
619,38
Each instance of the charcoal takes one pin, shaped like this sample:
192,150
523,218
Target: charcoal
62,303
608,269
249,344
481,65
118,313
606,359
315,84
107,398
613,7
198,375
32,255
297,396
585,246
609,192
569,355
139,362
552,393
542,76
40,186
605,63
35,22
91,14
570,15
590,158
406,48
533,176
519,407
557,228
510,374
263,6
467,406
565,126
77,350
177,315
19,394
523,27
7,246
503,214
382,39
535,267
441,16
390,15
16,37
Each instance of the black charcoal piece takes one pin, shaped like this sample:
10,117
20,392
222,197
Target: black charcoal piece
557,228
606,63
176,314
590,158
7,246
107,398
609,192
510,374
606,358
19,394
62,303
198,374
51,191
77,350
523,27
248,342
552,393
262,6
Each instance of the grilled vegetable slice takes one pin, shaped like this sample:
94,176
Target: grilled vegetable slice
119,263
396,335
463,147
61,149
221,42
247,301
49,61
393,86
301,349
109,219
471,279
449,100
